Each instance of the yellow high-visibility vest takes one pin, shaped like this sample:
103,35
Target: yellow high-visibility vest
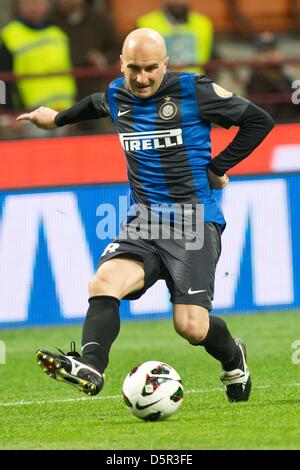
38,51
187,43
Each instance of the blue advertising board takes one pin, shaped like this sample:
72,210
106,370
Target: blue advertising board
51,241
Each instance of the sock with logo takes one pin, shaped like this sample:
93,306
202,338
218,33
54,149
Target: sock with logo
100,329
221,345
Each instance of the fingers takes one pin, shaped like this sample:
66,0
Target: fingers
218,182
223,184
24,117
226,181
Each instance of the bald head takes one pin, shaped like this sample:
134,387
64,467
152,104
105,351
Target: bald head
144,61
146,40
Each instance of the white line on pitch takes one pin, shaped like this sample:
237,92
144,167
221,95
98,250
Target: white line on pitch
113,397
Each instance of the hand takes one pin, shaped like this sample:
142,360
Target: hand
217,182
44,118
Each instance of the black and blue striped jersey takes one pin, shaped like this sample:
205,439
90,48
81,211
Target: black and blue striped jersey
166,137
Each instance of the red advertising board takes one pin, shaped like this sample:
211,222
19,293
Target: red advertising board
100,159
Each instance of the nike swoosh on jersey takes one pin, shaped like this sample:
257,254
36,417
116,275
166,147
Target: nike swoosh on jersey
121,113
191,292
143,407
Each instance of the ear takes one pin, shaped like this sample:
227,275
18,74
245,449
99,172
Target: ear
167,62
122,63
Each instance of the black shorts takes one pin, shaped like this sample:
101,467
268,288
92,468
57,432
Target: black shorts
189,274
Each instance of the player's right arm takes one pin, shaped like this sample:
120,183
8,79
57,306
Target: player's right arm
44,118
92,107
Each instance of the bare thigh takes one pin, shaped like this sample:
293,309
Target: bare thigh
118,277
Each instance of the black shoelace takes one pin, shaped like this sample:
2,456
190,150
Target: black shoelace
73,351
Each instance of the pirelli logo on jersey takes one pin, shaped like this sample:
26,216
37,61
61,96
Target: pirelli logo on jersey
134,141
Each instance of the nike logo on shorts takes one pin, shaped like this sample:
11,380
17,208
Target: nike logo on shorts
191,292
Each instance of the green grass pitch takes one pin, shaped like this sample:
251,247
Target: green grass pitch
37,412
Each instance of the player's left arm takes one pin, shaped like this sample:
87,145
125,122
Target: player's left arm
254,125
227,109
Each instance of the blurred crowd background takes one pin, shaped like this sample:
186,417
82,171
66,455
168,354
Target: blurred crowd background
55,52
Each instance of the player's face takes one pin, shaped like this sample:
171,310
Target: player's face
143,77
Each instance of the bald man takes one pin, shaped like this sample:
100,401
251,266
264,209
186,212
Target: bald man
163,120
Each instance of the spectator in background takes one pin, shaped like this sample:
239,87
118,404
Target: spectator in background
268,77
188,34
93,39
30,45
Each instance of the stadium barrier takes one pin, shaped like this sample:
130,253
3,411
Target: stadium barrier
51,197
215,65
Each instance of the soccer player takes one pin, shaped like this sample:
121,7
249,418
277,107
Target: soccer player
163,120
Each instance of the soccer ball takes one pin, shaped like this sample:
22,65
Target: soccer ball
153,391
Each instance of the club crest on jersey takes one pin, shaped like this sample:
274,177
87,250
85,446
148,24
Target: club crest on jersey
221,91
168,109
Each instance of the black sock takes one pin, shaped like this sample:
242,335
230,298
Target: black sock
221,345
100,329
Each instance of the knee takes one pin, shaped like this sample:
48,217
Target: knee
193,331
99,284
